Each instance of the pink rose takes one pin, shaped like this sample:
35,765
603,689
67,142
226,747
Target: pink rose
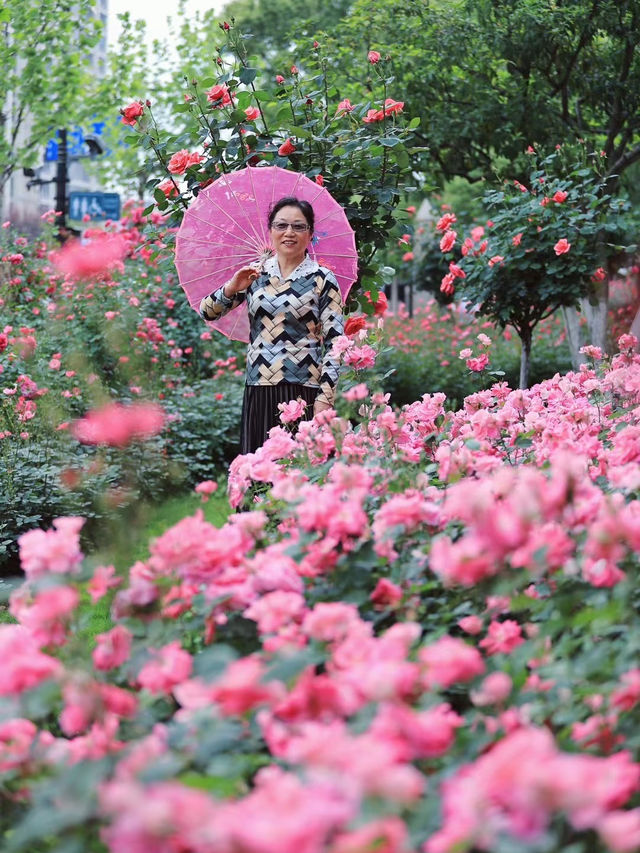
373,115
493,690
113,648
373,56
344,106
178,162
446,285
279,79
446,221
448,241
168,187
502,637
559,196
562,247
386,594
292,411
252,113
478,364
219,96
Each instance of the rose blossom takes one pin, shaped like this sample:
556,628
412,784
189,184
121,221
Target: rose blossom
118,425
292,411
132,113
448,241
502,637
345,106
562,247
181,161
286,148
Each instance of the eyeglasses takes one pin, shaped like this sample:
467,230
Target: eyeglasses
297,227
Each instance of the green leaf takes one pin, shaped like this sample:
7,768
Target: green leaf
247,75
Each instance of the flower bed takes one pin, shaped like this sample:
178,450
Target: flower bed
75,344
419,636
425,354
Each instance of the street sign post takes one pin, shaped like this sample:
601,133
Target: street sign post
98,206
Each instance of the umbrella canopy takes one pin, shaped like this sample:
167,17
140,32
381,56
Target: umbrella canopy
225,228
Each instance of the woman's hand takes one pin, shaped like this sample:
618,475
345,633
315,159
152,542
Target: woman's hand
241,280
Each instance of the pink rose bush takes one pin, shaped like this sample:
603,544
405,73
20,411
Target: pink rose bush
414,637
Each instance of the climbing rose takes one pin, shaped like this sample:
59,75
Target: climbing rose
131,113
181,161
344,106
118,425
561,247
448,241
286,148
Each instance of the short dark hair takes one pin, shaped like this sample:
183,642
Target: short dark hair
291,201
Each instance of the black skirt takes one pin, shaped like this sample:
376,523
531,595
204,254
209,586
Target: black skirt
260,410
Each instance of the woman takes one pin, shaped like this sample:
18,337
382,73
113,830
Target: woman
295,312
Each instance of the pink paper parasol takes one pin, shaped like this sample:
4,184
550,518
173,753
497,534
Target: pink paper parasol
226,228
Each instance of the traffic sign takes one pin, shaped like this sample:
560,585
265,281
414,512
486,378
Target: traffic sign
98,206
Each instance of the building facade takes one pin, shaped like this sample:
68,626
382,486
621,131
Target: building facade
27,197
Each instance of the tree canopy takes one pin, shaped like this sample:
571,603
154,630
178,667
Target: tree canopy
44,67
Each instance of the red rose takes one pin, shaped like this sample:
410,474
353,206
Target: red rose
286,148
319,180
132,113
391,106
354,325
380,305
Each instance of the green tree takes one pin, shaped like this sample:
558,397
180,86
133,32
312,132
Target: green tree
45,72
238,115
539,252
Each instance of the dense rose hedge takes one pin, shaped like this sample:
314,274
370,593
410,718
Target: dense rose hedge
421,634
84,327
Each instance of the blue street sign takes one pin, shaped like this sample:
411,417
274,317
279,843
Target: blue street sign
51,151
98,206
75,142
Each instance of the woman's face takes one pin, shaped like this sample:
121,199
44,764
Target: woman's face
290,244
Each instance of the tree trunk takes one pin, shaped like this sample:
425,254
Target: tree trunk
575,335
525,357
596,311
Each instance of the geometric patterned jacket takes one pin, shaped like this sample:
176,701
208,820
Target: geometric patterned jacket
292,324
